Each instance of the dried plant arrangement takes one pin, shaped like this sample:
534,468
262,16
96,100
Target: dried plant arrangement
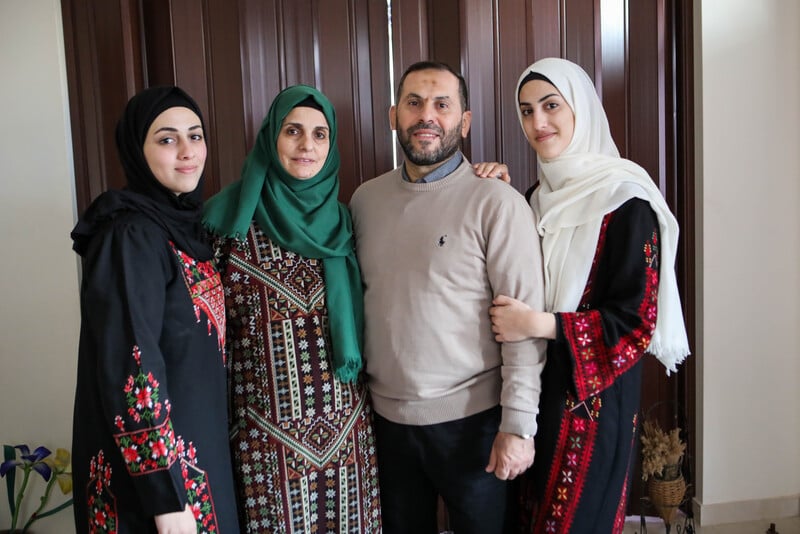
661,452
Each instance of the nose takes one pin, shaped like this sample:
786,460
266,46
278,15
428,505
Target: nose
186,151
306,142
427,113
539,121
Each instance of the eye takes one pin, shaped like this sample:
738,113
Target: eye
525,111
443,105
166,141
321,134
551,106
413,102
196,137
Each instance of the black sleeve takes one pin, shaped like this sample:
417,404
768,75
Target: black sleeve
126,273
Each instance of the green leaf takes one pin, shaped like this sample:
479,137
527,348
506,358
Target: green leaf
10,453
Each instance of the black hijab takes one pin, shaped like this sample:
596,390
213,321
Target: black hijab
178,215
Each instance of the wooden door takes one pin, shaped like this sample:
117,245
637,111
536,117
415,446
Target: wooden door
234,56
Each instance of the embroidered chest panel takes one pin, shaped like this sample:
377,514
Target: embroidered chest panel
205,289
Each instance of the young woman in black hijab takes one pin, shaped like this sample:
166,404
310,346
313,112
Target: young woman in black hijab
150,448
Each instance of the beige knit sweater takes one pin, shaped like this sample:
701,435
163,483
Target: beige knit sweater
432,258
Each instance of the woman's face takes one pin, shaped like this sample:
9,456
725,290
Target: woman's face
547,119
175,149
303,142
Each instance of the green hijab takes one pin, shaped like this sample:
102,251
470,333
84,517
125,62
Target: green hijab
303,216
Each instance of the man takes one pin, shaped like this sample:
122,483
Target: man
456,411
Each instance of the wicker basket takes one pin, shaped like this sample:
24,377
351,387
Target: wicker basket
666,496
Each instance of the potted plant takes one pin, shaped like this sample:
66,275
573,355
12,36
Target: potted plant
662,453
51,469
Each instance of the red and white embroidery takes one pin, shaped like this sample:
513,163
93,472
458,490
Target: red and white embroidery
205,288
102,504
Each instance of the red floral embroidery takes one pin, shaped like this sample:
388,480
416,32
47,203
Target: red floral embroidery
102,503
199,495
154,447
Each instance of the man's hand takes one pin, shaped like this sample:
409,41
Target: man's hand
177,522
511,456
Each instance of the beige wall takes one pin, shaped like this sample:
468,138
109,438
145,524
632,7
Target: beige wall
748,189
39,315
748,59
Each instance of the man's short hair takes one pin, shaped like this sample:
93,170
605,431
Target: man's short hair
436,65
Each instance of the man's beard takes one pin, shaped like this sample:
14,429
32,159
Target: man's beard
448,145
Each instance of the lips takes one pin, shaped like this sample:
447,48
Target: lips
545,136
186,170
425,131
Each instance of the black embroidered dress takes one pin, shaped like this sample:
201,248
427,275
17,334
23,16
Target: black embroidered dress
149,430
592,381
302,440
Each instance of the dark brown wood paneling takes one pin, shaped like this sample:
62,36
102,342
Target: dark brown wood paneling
156,28
262,72
217,46
545,29
613,77
680,196
646,91
103,56
375,104
299,34
479,68
445,32
409,34
338,55
581,33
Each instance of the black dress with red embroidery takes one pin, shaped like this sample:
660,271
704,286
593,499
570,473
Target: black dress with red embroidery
151,417
591,384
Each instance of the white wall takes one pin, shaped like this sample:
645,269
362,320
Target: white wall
748,62
39,314
748,56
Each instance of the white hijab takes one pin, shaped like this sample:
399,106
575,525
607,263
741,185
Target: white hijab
577,189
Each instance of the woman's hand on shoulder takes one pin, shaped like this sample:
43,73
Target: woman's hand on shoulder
177,522
492,169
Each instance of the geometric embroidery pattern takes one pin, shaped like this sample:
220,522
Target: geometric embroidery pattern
302,440
205,289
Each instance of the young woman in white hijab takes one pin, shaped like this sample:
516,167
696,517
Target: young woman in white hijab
609,243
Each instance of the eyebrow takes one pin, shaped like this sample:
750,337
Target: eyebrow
545,97
172,129
299,125
415,95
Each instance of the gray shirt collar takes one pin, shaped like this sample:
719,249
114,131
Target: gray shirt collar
439,172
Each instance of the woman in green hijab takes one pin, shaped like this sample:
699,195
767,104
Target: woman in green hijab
302,433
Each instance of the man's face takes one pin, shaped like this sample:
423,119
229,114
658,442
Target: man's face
428,117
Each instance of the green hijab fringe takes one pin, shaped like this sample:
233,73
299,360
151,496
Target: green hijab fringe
303,216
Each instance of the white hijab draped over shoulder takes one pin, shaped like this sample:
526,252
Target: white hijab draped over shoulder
577,189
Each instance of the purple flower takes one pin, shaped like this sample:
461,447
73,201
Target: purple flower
31,460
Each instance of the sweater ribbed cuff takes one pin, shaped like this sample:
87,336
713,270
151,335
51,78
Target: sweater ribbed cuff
518,422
